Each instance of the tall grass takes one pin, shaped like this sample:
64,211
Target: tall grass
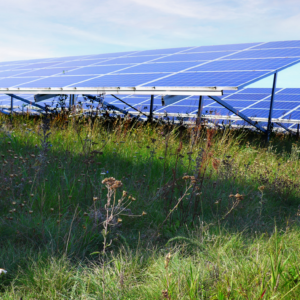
112,209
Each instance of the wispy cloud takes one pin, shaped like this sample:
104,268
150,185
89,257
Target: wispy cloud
34,28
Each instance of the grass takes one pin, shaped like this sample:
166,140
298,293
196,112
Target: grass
112,209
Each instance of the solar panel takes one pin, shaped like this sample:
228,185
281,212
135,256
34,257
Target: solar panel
193,70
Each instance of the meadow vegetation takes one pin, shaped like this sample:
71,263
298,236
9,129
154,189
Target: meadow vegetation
118,209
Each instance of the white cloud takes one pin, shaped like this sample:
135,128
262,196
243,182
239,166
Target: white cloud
34,28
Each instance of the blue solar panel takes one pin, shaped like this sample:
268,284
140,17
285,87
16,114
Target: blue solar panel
44,72
240,96
118,80
233,47
289,91
277,105
163,51
79,63
189,67
130,60
257,91
282,44
97,70
4,74
177,109
159,67
193,79
253,64
194,56
268,53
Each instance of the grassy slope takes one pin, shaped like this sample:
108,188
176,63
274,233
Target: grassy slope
223,246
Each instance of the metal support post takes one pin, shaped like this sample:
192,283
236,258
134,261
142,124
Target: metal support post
11,104
151,108
269,129
199,113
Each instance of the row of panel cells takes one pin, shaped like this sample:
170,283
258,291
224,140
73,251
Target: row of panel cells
234,47
151,68
277,97
155,67
207,79
253,64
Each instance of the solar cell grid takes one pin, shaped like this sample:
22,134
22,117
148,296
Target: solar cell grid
177,109
203,56
44,72
79,63
234,47
268,53
254,64
97,70
163,51
4,74
159,67
130,60
290,91
239,96
281,44
192,79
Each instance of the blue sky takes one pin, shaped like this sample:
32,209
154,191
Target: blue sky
38,28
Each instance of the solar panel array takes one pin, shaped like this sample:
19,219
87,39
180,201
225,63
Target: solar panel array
224,66
253,102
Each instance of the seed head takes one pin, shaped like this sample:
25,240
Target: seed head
167,260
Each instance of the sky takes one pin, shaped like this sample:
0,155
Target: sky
39,28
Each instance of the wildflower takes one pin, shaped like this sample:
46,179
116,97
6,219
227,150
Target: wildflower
2,271
144,213
133,199
124,194
30,211
95,198
85,214
14,203
51,209
112,183
119,220
31,195
239,197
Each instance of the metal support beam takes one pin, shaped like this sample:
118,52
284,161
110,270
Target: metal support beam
26,101
238,113
71,100
199,113
11,104
269,128
151,108
129,105
286,128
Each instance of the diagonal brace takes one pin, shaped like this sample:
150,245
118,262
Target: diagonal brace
286,128
26,101
238,113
